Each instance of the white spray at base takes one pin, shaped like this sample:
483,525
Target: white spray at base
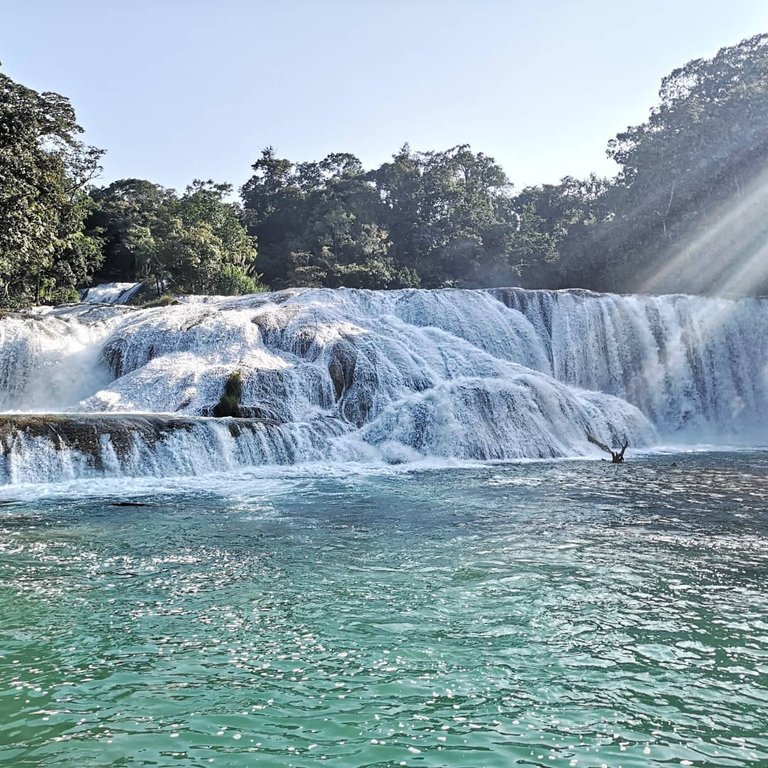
351,375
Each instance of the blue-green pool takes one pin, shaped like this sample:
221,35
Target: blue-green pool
542,614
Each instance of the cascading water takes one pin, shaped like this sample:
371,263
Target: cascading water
697,367
363,375
111,293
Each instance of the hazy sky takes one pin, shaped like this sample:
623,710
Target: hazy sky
178,89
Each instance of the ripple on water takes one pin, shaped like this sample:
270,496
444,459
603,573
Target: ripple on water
535,615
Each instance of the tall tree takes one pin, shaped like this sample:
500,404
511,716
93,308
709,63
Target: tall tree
123,215
206,248
43,172
318,223
558,226
689,199
448,214
197,241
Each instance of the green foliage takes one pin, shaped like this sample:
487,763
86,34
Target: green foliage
231,280
196,241
431,218
43,170
374,273
687,210
125,215
51,293
165,300
229,404
449,215
559,223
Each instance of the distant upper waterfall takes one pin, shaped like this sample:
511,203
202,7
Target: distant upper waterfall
364,375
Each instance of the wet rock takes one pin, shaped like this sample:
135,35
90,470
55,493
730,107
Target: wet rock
88,433
341,366
129,504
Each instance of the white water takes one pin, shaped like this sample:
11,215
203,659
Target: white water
388,376
111,293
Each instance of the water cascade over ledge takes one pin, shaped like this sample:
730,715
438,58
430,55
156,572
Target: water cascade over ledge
342,375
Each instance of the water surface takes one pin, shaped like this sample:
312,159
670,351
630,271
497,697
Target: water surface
545,614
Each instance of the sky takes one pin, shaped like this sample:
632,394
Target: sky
182,89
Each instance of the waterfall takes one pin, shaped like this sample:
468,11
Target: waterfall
111,293
46,448
340,375
695,366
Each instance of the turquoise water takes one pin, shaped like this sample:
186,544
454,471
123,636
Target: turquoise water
561,614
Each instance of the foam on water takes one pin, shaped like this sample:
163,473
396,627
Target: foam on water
51,359
352,375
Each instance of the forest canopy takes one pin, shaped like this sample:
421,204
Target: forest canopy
686,212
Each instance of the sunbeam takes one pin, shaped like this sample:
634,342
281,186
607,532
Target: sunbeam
726,253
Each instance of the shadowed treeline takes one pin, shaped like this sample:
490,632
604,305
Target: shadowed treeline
685,213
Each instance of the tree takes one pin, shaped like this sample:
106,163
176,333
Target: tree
272,200
125,214
557,239
314,221
43,172
689,201
197,241
688,210
435,217
448,215
215,253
